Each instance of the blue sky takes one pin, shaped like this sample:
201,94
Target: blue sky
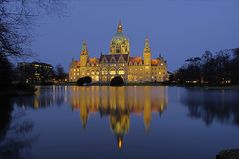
178,29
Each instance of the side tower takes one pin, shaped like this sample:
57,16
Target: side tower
84,55
147,60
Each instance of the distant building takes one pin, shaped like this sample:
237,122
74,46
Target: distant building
35,72
119,63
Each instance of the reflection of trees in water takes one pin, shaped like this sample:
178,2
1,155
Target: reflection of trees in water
15,132
212,105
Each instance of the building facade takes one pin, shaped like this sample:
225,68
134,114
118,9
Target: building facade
35,72
119,63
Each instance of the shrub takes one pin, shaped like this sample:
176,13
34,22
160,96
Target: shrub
117,81
6,73
84,80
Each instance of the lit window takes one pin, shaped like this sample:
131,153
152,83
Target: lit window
113,72
97,78
121,72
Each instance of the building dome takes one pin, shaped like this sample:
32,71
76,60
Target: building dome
119,43
119,38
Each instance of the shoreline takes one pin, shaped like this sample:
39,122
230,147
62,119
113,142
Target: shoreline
233,87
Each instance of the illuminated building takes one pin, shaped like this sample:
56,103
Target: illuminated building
35,72
119,63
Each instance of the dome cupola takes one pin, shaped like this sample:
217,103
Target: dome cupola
119,43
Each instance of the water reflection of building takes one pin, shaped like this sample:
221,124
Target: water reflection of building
119,103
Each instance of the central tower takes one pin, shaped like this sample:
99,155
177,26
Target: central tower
119,43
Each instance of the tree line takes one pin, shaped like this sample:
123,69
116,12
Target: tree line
220,68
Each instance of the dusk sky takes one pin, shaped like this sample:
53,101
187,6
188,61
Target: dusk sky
176,29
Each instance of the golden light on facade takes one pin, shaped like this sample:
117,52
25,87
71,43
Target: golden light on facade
119,62
113,72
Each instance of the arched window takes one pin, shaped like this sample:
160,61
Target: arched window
121,71
112,71
118,49
97,72
104,71
92,72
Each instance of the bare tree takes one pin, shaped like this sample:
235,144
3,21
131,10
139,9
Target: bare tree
16,17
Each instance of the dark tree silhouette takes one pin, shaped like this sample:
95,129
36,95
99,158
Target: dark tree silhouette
59,73
16,18
218,69
84,80
6,73
117,81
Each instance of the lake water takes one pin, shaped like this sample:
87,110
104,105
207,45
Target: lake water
70,122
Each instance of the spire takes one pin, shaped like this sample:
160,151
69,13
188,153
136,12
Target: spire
147,47
120,27
84,46
147,42
84,49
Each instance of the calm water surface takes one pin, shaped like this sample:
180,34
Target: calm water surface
119,122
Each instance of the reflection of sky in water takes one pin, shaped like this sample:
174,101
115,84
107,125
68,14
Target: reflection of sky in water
143,122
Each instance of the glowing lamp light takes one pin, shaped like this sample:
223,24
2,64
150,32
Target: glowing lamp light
120,143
